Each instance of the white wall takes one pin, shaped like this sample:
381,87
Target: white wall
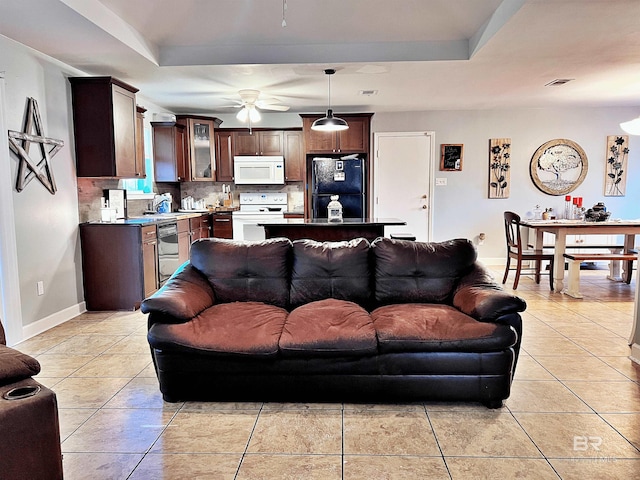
46,225
463,209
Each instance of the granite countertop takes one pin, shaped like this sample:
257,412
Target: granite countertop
159,218
323,222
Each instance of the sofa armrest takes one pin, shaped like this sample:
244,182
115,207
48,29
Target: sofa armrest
185,295
15,365
479,296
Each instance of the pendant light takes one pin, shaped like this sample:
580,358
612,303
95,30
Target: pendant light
329,123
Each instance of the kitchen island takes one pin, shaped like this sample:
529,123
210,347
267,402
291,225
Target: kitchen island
322,230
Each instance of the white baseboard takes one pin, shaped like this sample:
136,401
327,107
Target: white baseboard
53,320
492,262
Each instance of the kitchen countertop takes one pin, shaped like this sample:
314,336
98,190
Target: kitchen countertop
323,222
159,218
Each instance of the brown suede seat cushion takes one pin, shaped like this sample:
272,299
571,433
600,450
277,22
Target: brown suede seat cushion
240,328
328,327
419,327
15,365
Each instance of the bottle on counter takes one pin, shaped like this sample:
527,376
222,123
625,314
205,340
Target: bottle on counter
567,207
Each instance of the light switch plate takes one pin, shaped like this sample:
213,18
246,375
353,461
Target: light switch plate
441,182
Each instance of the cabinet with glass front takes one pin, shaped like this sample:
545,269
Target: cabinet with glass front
200,147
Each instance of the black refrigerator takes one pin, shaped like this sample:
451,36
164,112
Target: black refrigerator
338,176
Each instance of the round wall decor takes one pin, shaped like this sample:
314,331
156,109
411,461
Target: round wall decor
558,166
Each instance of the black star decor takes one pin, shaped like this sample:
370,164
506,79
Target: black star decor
20,142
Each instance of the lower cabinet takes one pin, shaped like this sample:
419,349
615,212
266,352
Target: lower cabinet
199,227
184,240
119,265
222,225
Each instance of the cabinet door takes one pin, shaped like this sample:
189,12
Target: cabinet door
124,131
271,143
245,143
168,152
205,226
356,138
140,157
201,149
318,142
149,260
293,157
222,225
224,156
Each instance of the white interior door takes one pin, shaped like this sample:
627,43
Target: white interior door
403,166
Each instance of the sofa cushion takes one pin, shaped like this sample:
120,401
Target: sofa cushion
245,271
330,270
419,272
243,328
329,328
15,365
416,327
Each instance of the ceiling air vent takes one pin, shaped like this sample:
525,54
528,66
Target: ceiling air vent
368,93
558,81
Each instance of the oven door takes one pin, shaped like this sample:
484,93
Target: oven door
245,224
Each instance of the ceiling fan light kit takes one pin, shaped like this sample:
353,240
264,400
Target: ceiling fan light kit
632,127
329,123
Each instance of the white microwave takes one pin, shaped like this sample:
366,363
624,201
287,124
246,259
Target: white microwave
258,170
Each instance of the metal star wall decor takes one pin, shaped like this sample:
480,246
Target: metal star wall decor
20,142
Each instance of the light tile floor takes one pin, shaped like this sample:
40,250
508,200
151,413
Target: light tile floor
574,412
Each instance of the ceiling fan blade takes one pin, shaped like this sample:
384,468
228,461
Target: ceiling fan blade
278,108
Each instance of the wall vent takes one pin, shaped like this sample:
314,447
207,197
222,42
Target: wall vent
368,92
558,81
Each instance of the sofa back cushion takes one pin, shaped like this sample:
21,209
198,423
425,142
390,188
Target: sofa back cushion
245,271
337,270
419,272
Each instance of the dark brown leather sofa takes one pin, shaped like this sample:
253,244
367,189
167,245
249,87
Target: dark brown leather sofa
29,428
393,320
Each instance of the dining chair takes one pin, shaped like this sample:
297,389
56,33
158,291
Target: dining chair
515,251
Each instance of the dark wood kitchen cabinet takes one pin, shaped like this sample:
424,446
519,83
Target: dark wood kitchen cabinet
140,156
199,146
184,240
224,156
353,140
259,142
119,265
199,227
222,224
294,160
169,152
104,126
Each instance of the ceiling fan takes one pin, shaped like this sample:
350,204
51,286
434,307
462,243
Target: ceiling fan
249,105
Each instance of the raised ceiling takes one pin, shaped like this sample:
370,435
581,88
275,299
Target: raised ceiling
192,56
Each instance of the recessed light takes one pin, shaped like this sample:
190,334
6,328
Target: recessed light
558,81
368,92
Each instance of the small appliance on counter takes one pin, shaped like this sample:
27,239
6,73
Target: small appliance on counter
162,203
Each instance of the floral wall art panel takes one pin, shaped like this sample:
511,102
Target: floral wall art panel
499,167
615,175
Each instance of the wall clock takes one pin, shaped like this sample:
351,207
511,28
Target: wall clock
558,166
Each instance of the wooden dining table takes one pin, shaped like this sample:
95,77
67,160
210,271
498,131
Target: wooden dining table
562,228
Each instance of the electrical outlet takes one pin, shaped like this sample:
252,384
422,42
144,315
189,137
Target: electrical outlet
441,182
40,287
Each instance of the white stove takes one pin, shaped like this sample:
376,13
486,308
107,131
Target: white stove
254,208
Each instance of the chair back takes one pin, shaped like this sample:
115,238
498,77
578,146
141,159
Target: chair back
512,233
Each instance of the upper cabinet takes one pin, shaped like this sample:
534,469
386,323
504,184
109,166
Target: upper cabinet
104,125
353,140
169,152
224,156
140,156
266,142
200,146
294,165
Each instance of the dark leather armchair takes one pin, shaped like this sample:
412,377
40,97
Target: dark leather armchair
29,427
